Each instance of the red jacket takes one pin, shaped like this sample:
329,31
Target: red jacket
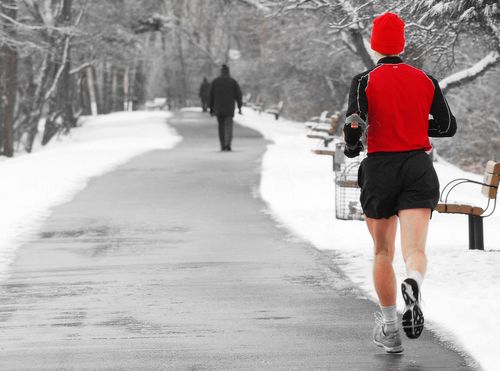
395,100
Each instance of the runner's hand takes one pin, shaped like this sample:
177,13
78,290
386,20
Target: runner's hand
239,111
352,133
353,151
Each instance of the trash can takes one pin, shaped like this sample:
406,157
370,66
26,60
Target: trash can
347,191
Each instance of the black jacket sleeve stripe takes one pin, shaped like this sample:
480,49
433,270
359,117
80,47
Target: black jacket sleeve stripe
358,104
443,123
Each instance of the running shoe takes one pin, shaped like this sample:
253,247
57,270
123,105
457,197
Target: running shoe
413,318
390,341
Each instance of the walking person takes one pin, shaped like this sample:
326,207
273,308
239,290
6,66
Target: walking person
224,92
204,94
390,104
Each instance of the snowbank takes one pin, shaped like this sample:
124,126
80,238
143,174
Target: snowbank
34,183
462,287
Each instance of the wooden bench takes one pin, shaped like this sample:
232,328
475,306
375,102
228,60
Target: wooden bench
246,99
258,105
323,127
156,104
474,212
276,110
314,121
324,151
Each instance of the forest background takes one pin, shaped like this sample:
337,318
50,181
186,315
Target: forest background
60,59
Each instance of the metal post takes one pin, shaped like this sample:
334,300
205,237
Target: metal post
472,245
478,233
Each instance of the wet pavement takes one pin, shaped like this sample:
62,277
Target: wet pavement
173,262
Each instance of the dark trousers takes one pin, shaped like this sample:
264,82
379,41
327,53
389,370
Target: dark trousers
225,130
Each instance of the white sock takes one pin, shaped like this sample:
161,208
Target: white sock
417,276
390,317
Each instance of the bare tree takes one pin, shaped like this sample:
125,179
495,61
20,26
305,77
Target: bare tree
453,19
433,29
60,94
9,8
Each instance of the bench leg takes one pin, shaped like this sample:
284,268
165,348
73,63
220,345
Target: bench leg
472,244
478,233
476,240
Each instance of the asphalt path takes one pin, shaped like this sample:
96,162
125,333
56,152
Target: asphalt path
173,262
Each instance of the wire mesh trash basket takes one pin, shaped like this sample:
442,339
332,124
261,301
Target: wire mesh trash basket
347,191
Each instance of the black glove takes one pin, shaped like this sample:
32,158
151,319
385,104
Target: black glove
353,151
211,112
239,111
351,135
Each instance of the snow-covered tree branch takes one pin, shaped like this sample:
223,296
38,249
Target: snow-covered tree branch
464,76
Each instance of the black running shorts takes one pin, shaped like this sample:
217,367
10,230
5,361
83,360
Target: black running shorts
396,181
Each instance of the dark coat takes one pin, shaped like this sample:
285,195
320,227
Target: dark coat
224,91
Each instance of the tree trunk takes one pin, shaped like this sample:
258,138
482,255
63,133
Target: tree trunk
126,91
38,103
98,79
8,134
60,94
357,40
182,84
106,97
11,84
51,127
83,93
92,91
139,94
114,89
66,91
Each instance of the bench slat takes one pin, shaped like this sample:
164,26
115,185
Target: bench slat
492,180
347,183
459,209
493,167
327,152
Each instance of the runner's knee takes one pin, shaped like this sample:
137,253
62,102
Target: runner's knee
384,250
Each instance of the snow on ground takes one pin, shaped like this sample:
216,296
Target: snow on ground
462,287
34,183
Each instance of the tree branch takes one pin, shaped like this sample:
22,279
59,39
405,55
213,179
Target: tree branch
425,28
81,67
471,73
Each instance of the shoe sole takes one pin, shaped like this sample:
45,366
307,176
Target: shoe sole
397,349
413,318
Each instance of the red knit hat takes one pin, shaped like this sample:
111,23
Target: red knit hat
388,34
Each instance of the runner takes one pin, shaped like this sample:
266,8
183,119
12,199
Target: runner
391,103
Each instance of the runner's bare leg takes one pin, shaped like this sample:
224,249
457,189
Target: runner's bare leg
414,224
383,232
